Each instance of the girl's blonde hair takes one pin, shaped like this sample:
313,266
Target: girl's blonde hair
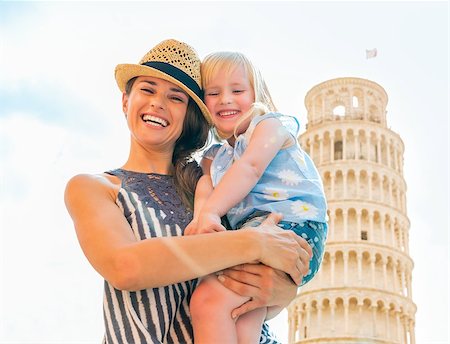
229,61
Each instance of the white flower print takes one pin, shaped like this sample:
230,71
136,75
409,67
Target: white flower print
273,194
303,209
238,210
289,177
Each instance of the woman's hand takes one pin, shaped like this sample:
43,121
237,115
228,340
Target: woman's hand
282,249
265,286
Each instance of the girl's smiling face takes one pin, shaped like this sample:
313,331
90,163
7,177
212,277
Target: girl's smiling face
228,96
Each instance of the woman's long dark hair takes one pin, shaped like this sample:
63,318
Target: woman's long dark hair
186,169
193,137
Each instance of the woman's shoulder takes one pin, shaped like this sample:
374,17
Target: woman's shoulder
82,179
91,184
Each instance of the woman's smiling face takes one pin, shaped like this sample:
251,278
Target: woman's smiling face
155,110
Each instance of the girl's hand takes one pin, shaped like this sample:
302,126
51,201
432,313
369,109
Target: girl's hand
264,286
191,228
283,249
205,223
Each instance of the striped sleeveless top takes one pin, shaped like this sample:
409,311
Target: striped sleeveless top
153,208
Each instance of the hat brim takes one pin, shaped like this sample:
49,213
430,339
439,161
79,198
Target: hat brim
125,72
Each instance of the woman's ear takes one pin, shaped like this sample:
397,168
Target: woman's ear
125,103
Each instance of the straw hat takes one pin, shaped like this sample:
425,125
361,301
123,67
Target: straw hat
169,60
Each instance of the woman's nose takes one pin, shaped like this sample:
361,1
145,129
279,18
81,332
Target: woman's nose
157,101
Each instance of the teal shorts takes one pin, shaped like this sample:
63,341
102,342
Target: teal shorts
315,233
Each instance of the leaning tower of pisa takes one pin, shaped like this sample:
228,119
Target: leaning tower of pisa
362,293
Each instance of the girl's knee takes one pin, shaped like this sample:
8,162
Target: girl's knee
211,297
206,298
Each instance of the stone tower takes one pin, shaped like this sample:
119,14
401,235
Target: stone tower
362,293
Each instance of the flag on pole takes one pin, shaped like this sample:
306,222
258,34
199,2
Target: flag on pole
371,53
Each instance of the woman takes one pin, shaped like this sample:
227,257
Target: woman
130,221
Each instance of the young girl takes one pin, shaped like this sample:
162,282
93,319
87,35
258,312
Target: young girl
259,169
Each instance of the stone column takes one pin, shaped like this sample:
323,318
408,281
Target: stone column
399,327
372,270
345,256
332,186
344,146
346,306
333,261
388,328
345,216
332,223
344,180
388,147
331,148
374,320
412,335
391,196
358,222
359,260
320,150
358,183
394,272
332,311
378,150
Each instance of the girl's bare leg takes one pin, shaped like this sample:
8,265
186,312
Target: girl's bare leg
249,325
211,306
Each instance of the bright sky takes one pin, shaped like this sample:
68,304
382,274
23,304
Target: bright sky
60,115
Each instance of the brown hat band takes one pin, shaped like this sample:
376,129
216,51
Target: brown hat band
177,74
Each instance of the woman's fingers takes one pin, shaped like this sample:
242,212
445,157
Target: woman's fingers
272,219
246,275
236,281
283,249
246,307
304,246
305,255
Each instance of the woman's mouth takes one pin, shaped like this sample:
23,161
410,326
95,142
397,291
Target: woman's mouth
156,121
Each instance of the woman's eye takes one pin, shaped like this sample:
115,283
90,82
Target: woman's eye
147,90
178,99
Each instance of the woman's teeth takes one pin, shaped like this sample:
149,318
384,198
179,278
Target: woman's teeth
155,120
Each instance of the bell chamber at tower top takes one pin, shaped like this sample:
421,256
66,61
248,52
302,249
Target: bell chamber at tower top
346,99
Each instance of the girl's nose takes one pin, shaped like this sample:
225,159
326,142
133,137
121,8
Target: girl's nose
225,98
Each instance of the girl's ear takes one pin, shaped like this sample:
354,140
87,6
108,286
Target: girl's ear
125,103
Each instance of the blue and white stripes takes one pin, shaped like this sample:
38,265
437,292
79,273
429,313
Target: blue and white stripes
158,315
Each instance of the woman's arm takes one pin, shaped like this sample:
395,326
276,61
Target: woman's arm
109,245
267,139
